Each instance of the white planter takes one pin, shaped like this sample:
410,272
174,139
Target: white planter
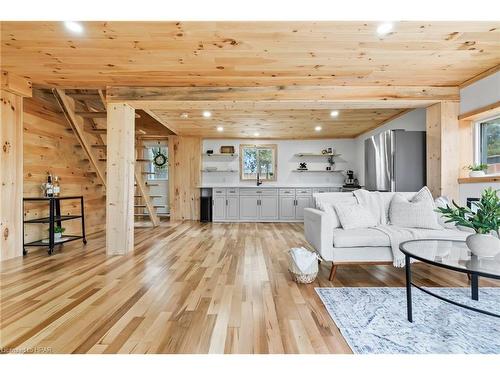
57,236
483,245
476,174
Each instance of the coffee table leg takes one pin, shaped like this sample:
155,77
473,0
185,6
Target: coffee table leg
408,289
474,285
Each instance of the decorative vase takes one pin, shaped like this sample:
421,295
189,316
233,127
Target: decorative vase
476,173
483,245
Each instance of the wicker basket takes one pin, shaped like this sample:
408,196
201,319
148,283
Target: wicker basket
302,277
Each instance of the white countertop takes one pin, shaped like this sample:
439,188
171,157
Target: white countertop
269,186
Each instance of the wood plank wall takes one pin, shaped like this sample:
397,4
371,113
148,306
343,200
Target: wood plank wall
184,177
48,146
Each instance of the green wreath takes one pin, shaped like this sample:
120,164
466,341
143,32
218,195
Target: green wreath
160,160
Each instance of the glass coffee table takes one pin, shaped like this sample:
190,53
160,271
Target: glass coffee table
452,255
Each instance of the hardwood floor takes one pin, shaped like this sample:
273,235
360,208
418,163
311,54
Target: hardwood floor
188,288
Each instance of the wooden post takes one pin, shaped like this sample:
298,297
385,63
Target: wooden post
120,179
443,149
12,91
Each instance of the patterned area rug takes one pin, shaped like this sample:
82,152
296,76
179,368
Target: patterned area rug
373,320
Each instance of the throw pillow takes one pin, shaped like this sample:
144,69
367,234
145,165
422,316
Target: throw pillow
352,216
328,209
418,212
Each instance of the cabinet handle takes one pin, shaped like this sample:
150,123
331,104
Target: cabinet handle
226,202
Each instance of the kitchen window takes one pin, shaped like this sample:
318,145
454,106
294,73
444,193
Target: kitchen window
259,159
488,146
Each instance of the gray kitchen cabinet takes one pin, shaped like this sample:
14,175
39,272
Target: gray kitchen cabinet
302,202
219,208
249,208
287,207
232,208
268,208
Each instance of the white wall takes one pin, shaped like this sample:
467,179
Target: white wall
286,161
480,94
474,190
414,120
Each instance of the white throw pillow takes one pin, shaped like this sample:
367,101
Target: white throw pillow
328,209
415,213
352,216
443,202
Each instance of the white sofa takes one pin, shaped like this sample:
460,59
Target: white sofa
356,246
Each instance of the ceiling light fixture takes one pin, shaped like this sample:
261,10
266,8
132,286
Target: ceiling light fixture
73,26
184,115
207,114
318,128
334,113
220,129
384,28
256,134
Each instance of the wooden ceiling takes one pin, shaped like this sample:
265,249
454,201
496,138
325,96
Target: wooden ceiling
249,53
282,124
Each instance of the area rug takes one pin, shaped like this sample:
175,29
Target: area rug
373,320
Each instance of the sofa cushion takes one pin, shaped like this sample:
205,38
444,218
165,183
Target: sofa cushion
359,237
415,213
324,202
371,237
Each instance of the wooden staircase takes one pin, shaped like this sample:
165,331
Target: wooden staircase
85,111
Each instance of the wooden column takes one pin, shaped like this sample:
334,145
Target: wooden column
443,145
12,91
120,179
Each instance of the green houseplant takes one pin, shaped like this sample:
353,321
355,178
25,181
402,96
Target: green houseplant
477,170
484,219
58,231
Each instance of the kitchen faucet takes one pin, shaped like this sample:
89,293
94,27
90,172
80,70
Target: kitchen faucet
259,182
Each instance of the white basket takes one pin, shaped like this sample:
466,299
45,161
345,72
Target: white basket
300,277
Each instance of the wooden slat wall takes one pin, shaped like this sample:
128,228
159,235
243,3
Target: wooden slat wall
48,146
184,177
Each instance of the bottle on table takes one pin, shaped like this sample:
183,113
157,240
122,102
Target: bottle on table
49,189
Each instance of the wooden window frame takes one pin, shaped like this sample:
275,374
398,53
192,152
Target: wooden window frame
274,147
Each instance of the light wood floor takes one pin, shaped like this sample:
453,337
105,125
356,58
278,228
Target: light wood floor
187,288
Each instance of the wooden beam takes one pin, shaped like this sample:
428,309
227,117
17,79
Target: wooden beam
94,114
479,76
76,122
15,84
340,93
120,179
157,118
11,174
443,144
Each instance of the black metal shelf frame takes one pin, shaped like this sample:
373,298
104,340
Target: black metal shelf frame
54,218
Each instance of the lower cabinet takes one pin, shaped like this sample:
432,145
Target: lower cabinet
292,208
268,208
249,208
225,208
300,204
254,208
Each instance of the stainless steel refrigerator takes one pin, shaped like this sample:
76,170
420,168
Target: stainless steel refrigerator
395,160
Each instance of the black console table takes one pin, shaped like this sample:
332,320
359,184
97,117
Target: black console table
54,218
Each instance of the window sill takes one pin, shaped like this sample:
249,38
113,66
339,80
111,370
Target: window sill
479,180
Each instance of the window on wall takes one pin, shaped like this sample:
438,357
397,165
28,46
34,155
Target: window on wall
156,170
259,159
489,144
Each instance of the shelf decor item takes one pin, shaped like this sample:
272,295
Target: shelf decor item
58,231
302,166
227,149
483,219
477,170
210,152
160,160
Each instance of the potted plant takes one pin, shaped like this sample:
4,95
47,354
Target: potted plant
477,170
58,231
484,219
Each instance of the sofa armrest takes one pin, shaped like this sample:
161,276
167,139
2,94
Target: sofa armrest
318,228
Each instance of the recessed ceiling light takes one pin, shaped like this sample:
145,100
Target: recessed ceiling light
207,114
256,134
220,129
318,128
184,115
334,113
73,26
384,28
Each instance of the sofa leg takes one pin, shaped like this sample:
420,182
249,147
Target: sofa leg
333,271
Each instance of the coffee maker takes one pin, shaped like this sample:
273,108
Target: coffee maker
350,181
